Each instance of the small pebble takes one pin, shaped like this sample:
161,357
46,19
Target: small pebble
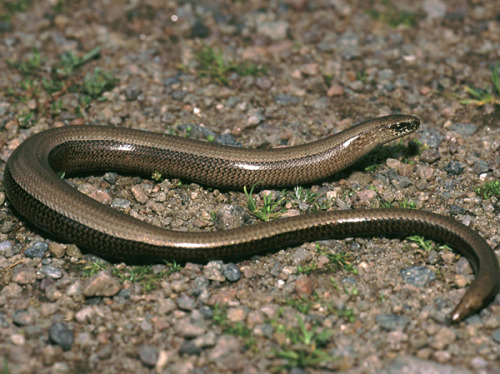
412,365
454,168
51,271
57,250
5,248
24,275
263,83
73,251
171,80
188,347
124,293
275,30
226,345
132,92
148,355
11,290
231,272
188,329
303,285
61,335
84,314
425,173
456,210
199,30
22,318
430,155
101,284
391,322
205,340
432,138
480,167
434,8
236,314
444,337
335,90
186,303
122,204
110,177
286,99
214,271
496,335
301,256
466,129
230,217
178,95
36,250
17,339
418,276
139,194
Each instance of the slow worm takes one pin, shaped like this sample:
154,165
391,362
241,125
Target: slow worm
34,189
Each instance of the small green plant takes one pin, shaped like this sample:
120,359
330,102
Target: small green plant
385,204
5,365
347,314
45,84
351,290
407,204
31,65
338,261
489,95
26,119
334,283
489,189
304,349
92,268
426,245
362,76
98,82
302,194
69,61
156,176
302,304
393,16
213,64
348,193
328,78
213,216
238,328
30,88
372,167
52,86
381,297
269,209
307,269
10,7
188,131
58,7
143,275
56,107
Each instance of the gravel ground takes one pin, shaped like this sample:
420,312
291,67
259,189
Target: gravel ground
289,72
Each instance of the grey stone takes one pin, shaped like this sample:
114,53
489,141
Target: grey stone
418,276
61,335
